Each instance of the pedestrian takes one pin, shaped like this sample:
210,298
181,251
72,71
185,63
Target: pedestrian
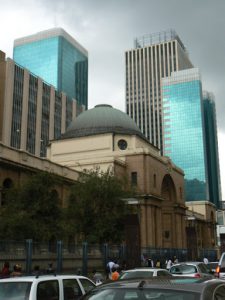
17,270
158,263
175,260
50,269
143,260
150,263
115,274
97,277
205,260
169,264
109,268
5,270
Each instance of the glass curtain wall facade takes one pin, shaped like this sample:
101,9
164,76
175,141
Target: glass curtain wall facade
212,149
155,56
183,123
58,59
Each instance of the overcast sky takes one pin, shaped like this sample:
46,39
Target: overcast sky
107,28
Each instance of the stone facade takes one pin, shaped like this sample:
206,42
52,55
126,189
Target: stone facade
159,200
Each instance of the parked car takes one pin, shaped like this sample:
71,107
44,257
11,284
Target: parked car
191,269
160,289
220,269
144,273
57,287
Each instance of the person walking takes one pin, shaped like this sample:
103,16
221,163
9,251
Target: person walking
205,260
17,271
169,264
5,273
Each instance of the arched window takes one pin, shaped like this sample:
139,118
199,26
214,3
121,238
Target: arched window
7,184
154,180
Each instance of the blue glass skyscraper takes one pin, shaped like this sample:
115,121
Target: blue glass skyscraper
212,154
184,139
185,133
58,59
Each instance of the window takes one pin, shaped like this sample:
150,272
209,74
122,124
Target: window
133,178
154,180
71,289
48,290
87,285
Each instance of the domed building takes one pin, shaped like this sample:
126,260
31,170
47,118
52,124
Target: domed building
106,137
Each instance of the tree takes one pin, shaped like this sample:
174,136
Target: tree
96,211
32,210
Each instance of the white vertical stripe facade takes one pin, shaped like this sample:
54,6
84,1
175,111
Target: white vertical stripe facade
38,118
7,120
143,100
8,95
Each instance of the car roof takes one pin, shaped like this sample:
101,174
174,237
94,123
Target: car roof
185,284
144,269
188,263
41,278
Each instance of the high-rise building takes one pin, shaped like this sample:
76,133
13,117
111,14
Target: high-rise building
186,131
153,57
58,59
212,155
32,112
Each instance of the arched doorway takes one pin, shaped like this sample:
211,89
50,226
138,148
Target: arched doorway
168,190
168,194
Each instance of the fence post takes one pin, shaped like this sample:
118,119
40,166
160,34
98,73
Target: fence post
122,252
85,259
29,246
59,257
105,255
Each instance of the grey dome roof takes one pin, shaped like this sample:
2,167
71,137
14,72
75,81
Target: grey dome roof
102,119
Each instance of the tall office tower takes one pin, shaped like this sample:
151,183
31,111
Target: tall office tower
212,149
58,59
32,112
186,137
153,57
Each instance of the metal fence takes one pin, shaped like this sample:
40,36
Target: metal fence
83,258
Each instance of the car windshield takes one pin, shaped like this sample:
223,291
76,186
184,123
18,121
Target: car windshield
157,294
15,290
183,269
136,274
203,268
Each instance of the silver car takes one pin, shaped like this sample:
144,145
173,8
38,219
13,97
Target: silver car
191,269
144,273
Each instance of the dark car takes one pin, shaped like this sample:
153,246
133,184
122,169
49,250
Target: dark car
160,289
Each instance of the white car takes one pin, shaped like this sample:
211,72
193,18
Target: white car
144,273
45,287
191,269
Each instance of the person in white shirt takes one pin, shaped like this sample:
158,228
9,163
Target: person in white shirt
169,264
205,260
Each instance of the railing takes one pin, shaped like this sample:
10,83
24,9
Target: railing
84,257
